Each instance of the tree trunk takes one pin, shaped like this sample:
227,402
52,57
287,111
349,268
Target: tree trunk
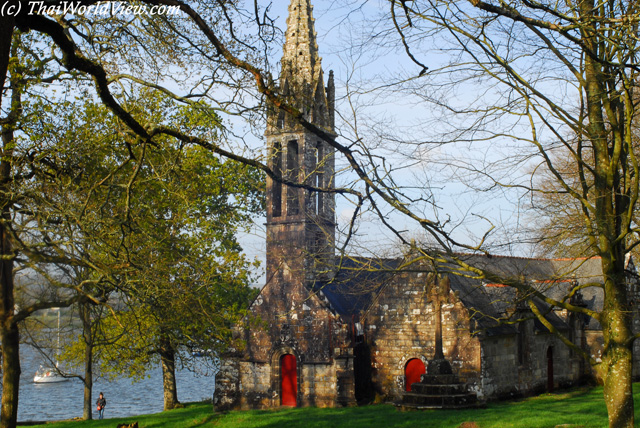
10,373
609,215
88,360
9,334
618,351
7,24
618,389
168,359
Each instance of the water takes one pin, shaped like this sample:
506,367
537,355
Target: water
55,401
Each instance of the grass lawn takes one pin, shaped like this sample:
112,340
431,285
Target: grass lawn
576,408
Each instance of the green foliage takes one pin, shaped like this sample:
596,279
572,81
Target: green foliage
153,224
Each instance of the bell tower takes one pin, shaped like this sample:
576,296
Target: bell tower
300,220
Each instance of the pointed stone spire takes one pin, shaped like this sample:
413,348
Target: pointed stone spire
300,61
301,78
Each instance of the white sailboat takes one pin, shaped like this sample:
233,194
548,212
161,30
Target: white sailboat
50,374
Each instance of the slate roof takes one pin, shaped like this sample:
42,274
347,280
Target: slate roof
359,280
553,277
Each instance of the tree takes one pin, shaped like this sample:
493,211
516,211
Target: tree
561,82
35,238
173,228
27,67
191,279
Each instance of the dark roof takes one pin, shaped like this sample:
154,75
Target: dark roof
356,283
359,280
553,277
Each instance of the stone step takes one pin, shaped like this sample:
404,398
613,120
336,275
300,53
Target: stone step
404,406
444,389
411,398
447,379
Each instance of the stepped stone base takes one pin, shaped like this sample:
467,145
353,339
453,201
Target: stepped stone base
439,388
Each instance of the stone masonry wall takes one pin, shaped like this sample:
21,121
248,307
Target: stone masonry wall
402,327
513,370
292,320
319,385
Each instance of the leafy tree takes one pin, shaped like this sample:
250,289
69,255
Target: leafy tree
173,230
191,280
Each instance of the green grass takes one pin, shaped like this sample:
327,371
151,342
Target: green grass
577,408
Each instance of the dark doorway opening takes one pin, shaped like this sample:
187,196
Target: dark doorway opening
362,372
550,369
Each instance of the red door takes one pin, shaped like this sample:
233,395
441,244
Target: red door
413,372
288,379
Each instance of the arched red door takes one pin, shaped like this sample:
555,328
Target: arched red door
288,380
413,372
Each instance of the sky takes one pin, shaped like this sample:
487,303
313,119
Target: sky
340,30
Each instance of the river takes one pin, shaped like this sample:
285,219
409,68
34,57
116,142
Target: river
56,401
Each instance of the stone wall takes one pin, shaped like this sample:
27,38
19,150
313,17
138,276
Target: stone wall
504,375
226,394
401,326
290,320
319,385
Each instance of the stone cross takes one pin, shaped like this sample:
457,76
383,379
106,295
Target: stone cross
439,365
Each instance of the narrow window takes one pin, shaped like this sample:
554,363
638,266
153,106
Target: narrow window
319,177
280,121
276,188
319,245
550,383
292,175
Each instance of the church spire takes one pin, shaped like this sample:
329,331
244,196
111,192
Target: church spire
300,219
300,61
301,79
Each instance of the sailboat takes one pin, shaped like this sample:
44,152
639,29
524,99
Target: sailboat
50,374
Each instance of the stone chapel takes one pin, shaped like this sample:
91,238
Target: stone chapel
332,331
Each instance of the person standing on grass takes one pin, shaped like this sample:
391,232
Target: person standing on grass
101,403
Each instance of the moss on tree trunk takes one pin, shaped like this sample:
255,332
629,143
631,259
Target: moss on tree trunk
168,359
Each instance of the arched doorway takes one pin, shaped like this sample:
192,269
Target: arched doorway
288,380
413,372
550,369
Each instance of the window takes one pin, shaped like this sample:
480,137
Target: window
276,188
293,206
319,177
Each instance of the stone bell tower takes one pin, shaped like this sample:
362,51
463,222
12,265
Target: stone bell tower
300,220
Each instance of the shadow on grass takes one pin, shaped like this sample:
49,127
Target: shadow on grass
581,407
578,407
